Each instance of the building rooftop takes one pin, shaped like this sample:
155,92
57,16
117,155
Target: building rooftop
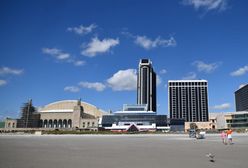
227,113
67,106
136,112
241,87
195,80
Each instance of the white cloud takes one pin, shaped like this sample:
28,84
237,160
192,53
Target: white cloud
10,71
79,63
123,80
207,68
56,53
97,46
73,89
241,71
62,56
190,76
128,34
51,51
96,85
82,30
158,80
147,43
207,4
163,71
224,106
3,82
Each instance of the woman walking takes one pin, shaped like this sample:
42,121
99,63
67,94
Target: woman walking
223,137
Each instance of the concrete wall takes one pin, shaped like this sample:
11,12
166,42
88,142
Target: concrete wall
89,123
10,123
55,115
200,125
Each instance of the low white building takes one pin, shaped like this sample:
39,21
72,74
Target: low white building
233,120
134,117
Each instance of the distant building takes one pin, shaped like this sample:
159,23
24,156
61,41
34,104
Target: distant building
233,120
146,85
212,124
241,98
176,125
134,116
70,114
66,114
10,123
188,100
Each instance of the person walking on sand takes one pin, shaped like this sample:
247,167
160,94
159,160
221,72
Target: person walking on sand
223,137
229,136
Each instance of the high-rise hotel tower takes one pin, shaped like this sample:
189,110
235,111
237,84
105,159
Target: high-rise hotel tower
146,85
188,99
241,98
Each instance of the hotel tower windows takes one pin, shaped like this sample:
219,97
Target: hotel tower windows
188,99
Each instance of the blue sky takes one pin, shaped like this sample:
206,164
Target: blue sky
56,50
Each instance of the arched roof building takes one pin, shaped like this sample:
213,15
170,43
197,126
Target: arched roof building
68,106
69,114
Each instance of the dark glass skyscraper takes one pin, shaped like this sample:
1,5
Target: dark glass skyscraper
188,99
241,98
146,85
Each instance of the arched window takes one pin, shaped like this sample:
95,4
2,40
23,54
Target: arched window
69,123
55,124
60,124
50,123
13,125
64,123
9,125
45,123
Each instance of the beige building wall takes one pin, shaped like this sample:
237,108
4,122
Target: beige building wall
200,125
77,116
89,123
73,113
10,123
55,116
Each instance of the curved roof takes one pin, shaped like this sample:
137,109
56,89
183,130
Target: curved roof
68,106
